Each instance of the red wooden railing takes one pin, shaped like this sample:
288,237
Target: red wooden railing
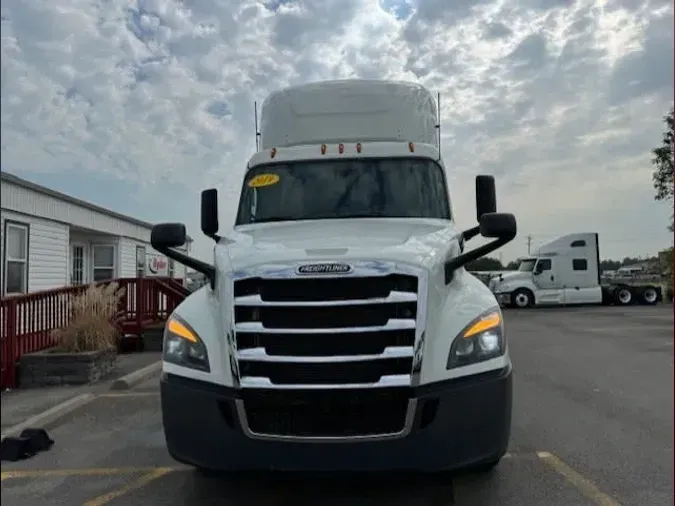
27,322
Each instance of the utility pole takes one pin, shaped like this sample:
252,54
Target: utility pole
529,244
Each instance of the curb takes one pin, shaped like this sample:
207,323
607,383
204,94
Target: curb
49,416
136,377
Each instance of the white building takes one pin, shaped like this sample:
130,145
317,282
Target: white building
51,240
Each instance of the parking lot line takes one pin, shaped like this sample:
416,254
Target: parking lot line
50,415
101,471
147,475
583,485
130,487
64,473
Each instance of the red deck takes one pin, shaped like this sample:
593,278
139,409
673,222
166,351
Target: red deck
27,321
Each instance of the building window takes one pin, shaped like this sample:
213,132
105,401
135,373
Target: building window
172,267
16,258
104,262
579,264
140,261
579,243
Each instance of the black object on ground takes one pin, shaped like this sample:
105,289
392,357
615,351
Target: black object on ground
29,442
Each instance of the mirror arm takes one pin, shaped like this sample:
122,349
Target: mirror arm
207,269
470,233
452,265
215,237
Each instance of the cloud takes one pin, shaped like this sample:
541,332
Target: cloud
562,100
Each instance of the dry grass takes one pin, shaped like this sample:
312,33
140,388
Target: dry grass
91,325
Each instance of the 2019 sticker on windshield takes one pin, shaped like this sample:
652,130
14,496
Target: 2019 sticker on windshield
263,180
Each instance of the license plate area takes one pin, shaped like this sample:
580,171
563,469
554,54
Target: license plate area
327,414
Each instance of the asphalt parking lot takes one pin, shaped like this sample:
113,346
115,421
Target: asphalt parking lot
592,426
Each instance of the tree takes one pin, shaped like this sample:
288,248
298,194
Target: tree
664,172
609,265
485,264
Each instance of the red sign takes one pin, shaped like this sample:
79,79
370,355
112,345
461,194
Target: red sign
157,265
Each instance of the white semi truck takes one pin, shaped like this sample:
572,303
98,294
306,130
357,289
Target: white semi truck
566,271
338,329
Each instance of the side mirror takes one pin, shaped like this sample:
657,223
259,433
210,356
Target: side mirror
486,202
168,235
210,212
486,196
498,225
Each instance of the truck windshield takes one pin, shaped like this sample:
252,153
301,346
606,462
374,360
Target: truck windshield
527,265
329,189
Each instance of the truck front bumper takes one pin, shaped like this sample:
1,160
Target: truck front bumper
503,298
457,423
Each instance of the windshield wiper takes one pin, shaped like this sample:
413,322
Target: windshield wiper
268,219
372,214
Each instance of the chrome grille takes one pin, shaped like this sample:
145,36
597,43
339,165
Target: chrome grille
325,331
322,289
350,334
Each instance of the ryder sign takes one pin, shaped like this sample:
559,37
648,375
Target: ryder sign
157,265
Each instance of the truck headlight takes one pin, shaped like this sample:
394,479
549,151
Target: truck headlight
182,346
481,340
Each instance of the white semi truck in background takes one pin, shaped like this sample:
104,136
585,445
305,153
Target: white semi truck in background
338,329
566,271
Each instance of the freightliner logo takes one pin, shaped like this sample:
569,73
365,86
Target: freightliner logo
324,269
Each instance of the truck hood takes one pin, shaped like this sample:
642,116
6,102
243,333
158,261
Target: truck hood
508,275
418,241
504,279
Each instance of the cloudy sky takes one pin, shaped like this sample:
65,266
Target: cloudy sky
137,105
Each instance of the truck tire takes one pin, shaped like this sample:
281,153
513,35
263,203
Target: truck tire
522,298
607,295
649,296
623,295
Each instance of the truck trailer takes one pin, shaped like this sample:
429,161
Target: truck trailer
338,328
566,271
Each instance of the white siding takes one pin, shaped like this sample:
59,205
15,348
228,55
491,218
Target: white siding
47,251
23,200
127,258
181,272
56,223
48,255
